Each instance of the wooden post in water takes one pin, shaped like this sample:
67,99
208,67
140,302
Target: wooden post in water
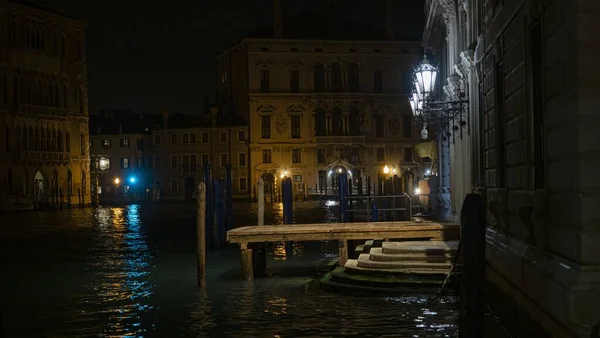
247,268
260,256
343,252
201,235
472,281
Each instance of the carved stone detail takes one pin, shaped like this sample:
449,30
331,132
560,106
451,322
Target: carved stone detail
281,124
394,124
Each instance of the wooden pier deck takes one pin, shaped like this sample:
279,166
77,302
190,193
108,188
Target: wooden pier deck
342,232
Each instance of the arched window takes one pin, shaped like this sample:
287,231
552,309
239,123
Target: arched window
31,139
354,122
69,183
25,183
57,103
81,101
43,142
25,138
353,78
66,97
68,142
7,138
18,139
320,122
83,183
60,141
82,143
336,77
319,78
337,122
10,182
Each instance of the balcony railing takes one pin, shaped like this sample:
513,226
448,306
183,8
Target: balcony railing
45,156
41,110
340,139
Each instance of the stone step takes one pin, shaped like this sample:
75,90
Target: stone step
376,254
359,249
428,247
363,261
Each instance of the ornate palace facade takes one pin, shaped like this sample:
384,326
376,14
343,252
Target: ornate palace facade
320,106
44,149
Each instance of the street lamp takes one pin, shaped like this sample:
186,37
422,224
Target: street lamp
117,181
450,116
386,169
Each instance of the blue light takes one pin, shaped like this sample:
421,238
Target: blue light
132,179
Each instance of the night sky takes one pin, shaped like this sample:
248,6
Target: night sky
148,56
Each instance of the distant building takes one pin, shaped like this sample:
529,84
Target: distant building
150,157
187,144
323,96
121,154
43,108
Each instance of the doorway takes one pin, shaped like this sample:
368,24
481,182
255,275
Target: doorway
269,181
189,188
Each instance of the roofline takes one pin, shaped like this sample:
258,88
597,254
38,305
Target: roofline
48,12
249,40
391,42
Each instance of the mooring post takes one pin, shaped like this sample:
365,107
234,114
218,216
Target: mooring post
473,267
286,194
343,251
229,194
217,203
246,260
201,235
209,197
260,256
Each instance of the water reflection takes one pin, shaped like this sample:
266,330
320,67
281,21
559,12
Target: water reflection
130,271
123,271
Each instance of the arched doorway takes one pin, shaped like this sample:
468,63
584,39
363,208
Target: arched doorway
269,181
189,188
334,174
409,182
38,188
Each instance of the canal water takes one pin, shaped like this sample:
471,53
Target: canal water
130,272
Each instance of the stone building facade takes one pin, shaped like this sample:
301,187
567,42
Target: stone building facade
323,103
44,149
529,69
163,157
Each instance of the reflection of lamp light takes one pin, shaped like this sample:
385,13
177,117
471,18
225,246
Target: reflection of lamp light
417,191
386,169
394,170
117,180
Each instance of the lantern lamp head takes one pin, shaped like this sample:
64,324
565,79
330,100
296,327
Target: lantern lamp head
426,75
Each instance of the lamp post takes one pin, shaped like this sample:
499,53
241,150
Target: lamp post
448,117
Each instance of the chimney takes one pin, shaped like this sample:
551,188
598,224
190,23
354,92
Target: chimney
277,21
390,33
214,115
165,118
205,104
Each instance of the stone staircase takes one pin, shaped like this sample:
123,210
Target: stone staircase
408,266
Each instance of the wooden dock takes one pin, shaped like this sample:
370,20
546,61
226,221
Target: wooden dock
342,232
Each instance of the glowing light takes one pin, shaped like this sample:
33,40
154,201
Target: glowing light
132,179
427,172
386,170
117,180
103,163
282,175
349,172
339,170
394,170
417,191
330,172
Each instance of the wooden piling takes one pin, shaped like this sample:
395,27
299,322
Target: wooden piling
343,252
260,255
201,235
246,260
472,284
